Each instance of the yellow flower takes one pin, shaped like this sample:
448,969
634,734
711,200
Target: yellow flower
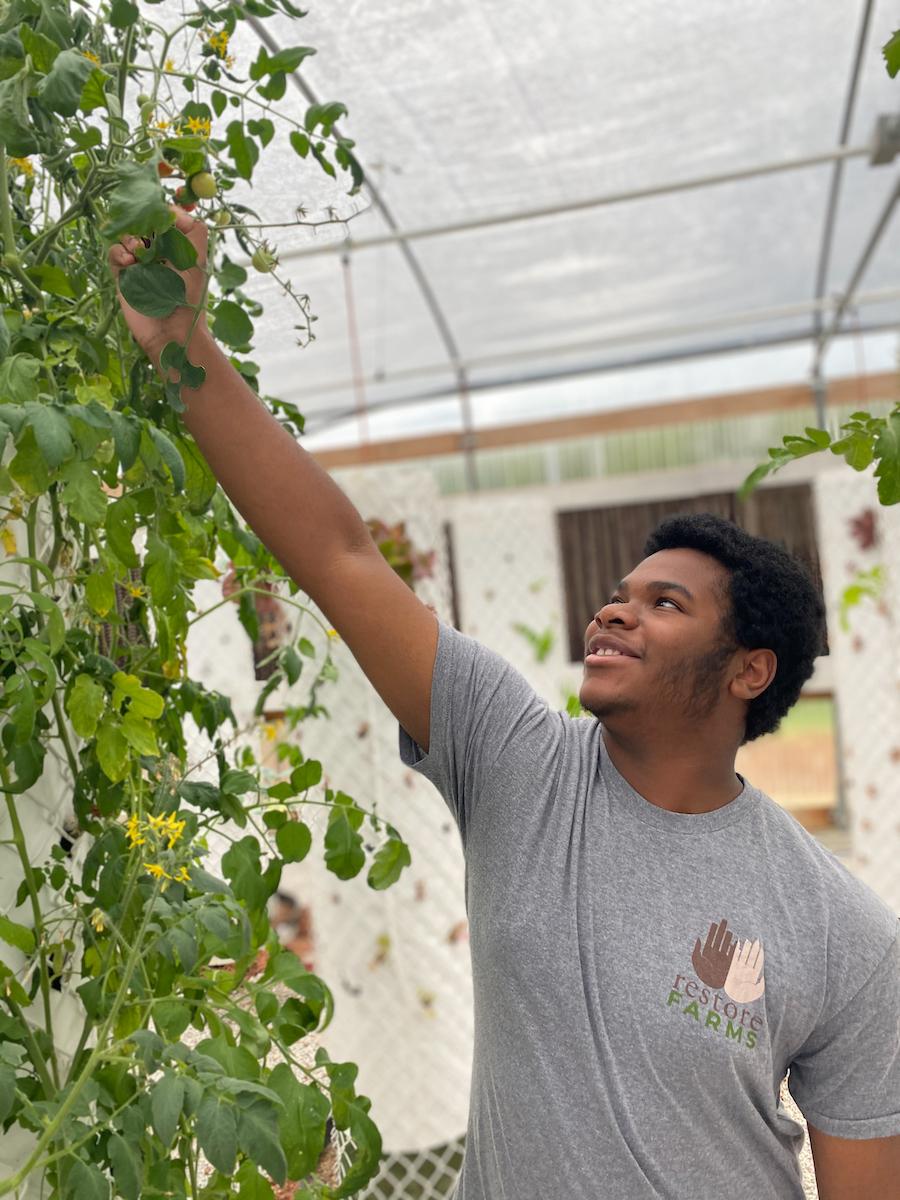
136,589
8,538
183,875
162,125
270,731
229,61
157,824
199,125
23,165
157,871
169,65
133,832
219,43
175,830
97,920
93,57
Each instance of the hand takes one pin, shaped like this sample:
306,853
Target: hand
713,961
745,980
152,333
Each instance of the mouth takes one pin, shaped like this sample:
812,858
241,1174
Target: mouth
603,650
604,657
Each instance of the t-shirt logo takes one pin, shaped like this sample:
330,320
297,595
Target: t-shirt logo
723,961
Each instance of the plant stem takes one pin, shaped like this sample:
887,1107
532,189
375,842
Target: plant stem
9,237
13,1182
31,883
125,64
30,523
50,1086
88,1021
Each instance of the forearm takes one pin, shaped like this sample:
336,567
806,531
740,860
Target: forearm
287,499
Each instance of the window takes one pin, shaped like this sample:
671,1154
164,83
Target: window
600,545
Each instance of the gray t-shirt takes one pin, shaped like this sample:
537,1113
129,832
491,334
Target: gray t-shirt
644,979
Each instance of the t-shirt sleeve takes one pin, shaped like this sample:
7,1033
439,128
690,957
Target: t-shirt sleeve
481,709
846,1078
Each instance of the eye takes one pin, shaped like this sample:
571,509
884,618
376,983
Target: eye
668,600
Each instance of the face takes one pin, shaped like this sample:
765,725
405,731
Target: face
667,618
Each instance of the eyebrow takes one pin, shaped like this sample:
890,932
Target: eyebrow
657,585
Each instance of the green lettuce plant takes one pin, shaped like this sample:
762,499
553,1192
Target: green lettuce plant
108,517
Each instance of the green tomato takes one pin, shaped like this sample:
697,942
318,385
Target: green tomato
222,218
263,259
203,185
143,99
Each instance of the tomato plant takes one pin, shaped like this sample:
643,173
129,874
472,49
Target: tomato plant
108,517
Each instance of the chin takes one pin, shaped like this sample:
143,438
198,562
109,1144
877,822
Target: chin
605,707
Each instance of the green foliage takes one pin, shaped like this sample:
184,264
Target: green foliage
891,52
109,517
865,439
541,642
868,585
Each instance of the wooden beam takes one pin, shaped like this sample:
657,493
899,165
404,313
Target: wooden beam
852,389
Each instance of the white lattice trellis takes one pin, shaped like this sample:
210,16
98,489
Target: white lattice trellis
867,675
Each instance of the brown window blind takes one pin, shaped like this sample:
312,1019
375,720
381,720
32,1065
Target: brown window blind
600,545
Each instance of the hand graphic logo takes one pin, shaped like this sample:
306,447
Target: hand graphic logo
712,963
745,980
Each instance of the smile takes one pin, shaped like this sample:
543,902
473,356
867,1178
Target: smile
605,656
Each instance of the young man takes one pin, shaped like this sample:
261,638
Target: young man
655,943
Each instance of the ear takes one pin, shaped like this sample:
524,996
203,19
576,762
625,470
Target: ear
756,670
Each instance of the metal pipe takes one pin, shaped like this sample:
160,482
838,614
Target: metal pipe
554,210
335,416
415,267
659,333
838,171
881,225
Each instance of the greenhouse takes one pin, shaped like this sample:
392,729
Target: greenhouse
550,293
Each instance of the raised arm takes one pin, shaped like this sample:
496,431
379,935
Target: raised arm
297,510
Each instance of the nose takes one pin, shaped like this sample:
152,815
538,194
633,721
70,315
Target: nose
619,613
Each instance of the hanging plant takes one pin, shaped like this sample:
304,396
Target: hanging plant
108,517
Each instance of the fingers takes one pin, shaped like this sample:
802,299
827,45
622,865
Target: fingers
711,938
120,256
194,229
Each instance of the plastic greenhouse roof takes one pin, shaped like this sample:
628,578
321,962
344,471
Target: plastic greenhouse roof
482,110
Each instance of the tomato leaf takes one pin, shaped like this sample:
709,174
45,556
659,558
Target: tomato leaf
18,378
300,142
40,49
15,125
51,430
16,935
177,248
887,451
123,13
344,855
138,203
293,840
389,862
242,149
60,91
85,705
231,324
152,289
891,52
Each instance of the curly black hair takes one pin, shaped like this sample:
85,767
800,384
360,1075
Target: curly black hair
774,604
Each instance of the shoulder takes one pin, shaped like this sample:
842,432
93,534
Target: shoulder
855,922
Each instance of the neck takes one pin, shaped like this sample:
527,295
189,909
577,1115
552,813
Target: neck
685,774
